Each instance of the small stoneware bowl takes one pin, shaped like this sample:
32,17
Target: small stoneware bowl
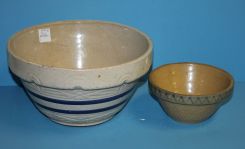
190,92
80,73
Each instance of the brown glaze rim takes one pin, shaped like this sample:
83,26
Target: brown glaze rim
191,99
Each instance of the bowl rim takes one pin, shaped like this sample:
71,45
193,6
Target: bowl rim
227,89
149,42
66,78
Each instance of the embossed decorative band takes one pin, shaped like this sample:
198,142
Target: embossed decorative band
81,112
83,102
188,100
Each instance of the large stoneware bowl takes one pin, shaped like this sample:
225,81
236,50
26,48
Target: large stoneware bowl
190,92
79,73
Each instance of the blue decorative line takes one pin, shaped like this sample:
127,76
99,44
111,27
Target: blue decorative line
81,112
83,102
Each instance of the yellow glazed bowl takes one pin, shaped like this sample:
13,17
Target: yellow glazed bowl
79,73
190,92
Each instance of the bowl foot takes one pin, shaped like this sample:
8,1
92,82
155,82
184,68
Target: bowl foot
188,113
83,123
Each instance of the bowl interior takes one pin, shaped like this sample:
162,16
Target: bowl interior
191,79
80,44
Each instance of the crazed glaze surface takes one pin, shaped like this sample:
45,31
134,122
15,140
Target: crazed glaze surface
85,74
190,92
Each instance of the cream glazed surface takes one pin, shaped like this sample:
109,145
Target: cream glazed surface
80,73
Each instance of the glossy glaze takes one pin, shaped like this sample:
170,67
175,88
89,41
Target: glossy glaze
85,72
190,92
83,45
80,107
191,79
106,55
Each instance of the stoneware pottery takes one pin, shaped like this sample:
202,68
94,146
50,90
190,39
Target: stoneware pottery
190,92
79,73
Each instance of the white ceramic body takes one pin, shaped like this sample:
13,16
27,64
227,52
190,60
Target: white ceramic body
79,107
79,96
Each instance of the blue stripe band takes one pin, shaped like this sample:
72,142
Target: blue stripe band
84,102
81,112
